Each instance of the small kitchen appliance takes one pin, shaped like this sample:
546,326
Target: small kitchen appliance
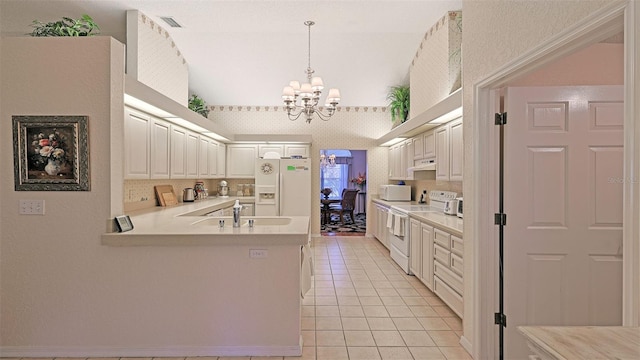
451,207
188,195
395,192
223,189
459,207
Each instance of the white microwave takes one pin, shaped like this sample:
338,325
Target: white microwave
395,192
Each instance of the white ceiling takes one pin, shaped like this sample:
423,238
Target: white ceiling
243,52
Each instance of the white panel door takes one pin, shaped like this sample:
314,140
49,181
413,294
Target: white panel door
415,255
178,152
456,147
193,142
213,158
203,157
563,200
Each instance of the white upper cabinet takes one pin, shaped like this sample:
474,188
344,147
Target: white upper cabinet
136,145
203,157
160,148
456,150
418,147
193,143
178,152
442,152
241,159
429,141
264,148
212,158
297,150
222,160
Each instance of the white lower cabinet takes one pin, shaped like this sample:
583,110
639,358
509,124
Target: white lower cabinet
447,270
381,233
427,254
415,265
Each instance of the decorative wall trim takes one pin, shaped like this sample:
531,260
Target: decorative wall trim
153,26
221,108
434,29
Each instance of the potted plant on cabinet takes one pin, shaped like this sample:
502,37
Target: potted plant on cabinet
85,26
198,105
398,98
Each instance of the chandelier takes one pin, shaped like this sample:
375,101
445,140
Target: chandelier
309,93
324,162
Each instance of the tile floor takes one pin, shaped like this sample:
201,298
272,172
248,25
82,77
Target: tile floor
362,306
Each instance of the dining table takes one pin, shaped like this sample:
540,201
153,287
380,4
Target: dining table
326,209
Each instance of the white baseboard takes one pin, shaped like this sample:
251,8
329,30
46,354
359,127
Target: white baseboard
466,344
173,351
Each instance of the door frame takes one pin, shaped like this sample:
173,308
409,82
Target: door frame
603,23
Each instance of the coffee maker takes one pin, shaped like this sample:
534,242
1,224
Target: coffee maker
223,189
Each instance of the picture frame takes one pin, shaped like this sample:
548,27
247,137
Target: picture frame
51,153
123,223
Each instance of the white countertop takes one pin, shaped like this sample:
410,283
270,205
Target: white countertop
583,342
174,225
449,223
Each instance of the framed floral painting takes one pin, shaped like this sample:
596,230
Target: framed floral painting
51,153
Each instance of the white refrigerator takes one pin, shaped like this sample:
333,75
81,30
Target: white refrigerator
283,187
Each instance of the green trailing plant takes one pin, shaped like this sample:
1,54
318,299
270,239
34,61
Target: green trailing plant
398,98
198,105
85,26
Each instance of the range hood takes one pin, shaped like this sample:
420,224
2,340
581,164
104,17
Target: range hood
424,165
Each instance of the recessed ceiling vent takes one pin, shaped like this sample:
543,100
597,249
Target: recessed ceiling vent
171,21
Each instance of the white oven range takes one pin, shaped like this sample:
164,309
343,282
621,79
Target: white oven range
398,225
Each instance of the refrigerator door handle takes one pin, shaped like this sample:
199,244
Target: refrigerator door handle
279,194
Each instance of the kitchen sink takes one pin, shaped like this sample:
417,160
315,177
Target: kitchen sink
244,222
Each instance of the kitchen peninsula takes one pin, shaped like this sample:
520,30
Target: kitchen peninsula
246,282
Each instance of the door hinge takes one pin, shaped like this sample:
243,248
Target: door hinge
500,219
501,118
500,319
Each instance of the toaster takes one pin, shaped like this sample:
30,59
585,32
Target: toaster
451,207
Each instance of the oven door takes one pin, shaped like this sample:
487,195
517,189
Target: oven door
399,240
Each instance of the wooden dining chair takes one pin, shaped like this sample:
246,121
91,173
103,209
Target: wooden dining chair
347,205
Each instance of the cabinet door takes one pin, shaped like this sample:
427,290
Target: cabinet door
415,256
136,145
241,159
296,150
427,255
418,147
222,160
391,164
442,152
264,148
408,160
373,222
429,141
160,148
457,150
178,152
193,142
401,164
212,158
203,157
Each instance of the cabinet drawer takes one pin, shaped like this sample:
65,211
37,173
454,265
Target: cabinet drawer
448,295
442,238
457,264
448,277
441,254
457,246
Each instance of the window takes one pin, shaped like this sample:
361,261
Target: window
336,178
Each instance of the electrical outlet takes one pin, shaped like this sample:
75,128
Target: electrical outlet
32,207
258,253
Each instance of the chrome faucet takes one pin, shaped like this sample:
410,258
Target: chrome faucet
236,214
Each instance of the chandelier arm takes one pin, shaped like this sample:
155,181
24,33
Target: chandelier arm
293,116
323,116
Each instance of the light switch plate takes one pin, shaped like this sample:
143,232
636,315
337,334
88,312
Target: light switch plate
32,207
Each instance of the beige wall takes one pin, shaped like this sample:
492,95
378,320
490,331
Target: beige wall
497,31
58,285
